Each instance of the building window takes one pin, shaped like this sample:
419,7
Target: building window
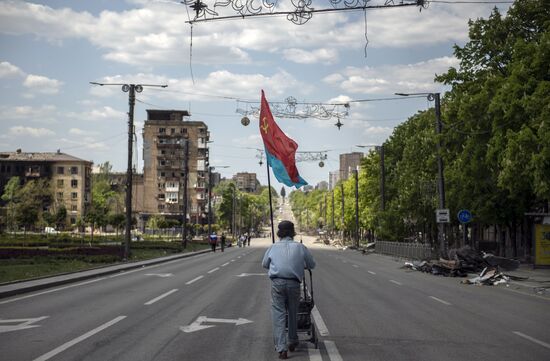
161,207
163,152
60,170
73,220
162,130
162,174
172,130
172,197
74,183
183,130
60,183
74,170
74,208
74,195
162,162
161,196
2,168
60,196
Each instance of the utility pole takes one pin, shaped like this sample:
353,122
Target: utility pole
382,179
185,200
356,174
131,89
332,228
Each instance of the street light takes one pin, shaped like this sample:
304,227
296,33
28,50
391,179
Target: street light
441,181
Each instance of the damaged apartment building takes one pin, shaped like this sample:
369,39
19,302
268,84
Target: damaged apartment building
165,135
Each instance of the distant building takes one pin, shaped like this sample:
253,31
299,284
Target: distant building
118,184
322,186
333,178
246,182
164,136
349,162
70,177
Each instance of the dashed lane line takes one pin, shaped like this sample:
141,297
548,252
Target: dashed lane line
397,283
194,280
73,342
440,300
160,297
319,323
532,339
371,272
356,266
314,353
213,270
225,264
332,351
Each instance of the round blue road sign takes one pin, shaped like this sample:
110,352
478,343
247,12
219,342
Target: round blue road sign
464,216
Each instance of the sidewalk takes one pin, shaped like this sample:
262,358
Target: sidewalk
537,279
15,288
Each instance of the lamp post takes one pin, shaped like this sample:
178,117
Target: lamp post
131,89
441,181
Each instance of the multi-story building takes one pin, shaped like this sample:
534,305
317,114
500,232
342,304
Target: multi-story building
348,163
70,177
246,182
333,178
118,184
165,135
322,186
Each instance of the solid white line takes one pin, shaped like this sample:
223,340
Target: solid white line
532,339
332,351
314,353
73,342
225,264
372,273
213,270
194,280
53,290
319,323
160,297
440,300
397,283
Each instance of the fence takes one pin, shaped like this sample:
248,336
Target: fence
407,250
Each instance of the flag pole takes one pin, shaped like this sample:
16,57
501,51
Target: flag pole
270,202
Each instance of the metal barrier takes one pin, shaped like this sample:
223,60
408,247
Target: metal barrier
406,250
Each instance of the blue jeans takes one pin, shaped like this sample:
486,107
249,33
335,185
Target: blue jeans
285,296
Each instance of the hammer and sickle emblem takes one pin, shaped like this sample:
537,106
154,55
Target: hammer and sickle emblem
265,125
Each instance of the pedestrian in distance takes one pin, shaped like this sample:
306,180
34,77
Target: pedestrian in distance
222,241
248,239
286,260
213,240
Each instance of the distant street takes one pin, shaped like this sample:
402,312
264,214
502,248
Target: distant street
216,306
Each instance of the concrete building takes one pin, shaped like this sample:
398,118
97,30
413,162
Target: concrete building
333,178
322,186
164,136
349,162
246,182
70,177
118,184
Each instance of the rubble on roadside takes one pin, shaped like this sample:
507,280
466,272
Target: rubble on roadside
464,261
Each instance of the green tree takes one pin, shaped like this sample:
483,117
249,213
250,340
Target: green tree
11,197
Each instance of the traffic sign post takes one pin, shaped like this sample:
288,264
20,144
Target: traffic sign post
442,216
464,217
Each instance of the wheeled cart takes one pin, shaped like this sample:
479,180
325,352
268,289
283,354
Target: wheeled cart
305,323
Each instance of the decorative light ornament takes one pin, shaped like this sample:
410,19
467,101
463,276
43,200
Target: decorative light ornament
245,121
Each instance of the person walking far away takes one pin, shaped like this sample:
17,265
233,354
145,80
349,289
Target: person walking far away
213,241
286,260
222,241
248,239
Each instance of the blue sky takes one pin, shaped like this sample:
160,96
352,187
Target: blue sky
51,50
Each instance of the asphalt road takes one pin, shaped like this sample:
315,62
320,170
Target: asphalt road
367,308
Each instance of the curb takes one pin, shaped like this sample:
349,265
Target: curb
20,287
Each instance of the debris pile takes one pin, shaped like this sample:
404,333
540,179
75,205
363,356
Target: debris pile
465,260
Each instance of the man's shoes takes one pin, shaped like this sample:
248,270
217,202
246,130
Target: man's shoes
283,355
292,346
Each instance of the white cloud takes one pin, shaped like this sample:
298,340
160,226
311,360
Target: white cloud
9,70
301,56
388,79
42,114
31,132
78,131
101,113
42,84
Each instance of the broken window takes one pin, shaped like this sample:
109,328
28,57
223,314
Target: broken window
60,183
74,170
74,183
74,195
60,170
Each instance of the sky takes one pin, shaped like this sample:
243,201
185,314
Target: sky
50,51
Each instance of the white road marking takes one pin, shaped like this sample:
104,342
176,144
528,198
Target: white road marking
213,270
532,339
161,275
356,266
19,324
321,326
73,342
52,290
197,324
440,300
372,273
314,353
251,274
233,260
332,351
194,280
397,283
225,264
160,297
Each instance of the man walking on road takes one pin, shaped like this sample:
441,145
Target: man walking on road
286,260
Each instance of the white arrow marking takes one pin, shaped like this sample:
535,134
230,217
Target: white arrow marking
19,324
161,275
251,274
197,324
